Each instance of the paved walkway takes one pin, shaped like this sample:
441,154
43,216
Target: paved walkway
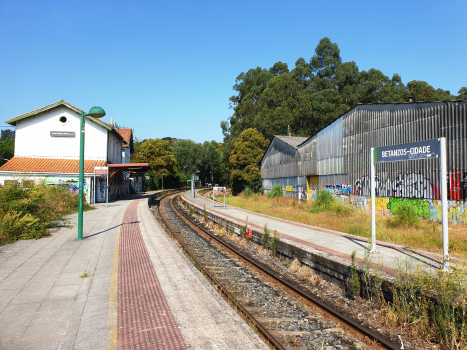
328,242
140,293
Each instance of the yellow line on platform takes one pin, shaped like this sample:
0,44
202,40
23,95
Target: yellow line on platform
112,318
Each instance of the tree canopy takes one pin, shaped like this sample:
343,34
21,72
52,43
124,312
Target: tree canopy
247,153
160,157
313,94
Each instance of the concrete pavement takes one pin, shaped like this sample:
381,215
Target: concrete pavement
47,302
44,302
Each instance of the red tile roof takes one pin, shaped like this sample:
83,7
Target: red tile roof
126,134
47,165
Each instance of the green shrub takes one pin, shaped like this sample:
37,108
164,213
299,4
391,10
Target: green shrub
266,235
275,242
261,190
406,216
326,201
29,212
354,280
248,192
275,192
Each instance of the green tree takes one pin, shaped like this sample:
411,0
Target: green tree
327,107
246,155
324,65
7,150
187,153
159,155
462,94
302,72
279,68
209,162
422,91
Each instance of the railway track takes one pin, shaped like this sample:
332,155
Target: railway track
284,316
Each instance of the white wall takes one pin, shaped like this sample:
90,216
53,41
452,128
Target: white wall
114,149
126,155
33,136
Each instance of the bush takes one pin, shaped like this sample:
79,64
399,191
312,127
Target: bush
276,191
406,216
248,192
275,242
261,191
326,201
29,212
266,235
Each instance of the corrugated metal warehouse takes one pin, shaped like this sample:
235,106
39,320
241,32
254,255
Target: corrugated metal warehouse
338,157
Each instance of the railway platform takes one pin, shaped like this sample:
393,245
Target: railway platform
125,286
330,245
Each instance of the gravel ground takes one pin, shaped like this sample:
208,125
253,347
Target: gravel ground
363,311
291,320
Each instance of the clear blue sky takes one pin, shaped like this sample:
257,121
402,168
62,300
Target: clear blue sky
167,68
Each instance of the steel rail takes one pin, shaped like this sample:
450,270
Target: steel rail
273,341
358,327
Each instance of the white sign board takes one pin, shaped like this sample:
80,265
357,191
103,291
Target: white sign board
101,170
217,190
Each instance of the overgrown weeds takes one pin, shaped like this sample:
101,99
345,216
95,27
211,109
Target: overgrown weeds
326,201
248,192
405,216
354,280
28,213
275,242
266,233
275,192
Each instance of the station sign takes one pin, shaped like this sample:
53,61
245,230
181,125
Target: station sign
62,134
219,190
101,170
408,151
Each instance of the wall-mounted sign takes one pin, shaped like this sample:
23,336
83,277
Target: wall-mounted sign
62,133
100,170
249,233
408,151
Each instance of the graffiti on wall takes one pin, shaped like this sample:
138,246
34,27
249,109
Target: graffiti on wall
125,187
71,183
420,207
410,185
424,208
341,189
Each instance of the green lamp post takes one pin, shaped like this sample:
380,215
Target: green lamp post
163,182
95,112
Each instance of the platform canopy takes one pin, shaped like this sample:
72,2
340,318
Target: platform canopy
136,167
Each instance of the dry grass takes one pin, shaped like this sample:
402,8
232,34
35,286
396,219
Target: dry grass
304,272
428,236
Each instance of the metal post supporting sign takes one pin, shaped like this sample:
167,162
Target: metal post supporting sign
218,190
435,148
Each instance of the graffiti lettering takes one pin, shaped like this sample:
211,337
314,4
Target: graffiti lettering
410,185
421,207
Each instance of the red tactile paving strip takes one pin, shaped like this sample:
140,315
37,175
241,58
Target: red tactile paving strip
144,317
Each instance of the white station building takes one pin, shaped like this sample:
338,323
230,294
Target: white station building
47,146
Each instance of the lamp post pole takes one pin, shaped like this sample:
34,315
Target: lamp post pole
95,112
81,178
163,182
